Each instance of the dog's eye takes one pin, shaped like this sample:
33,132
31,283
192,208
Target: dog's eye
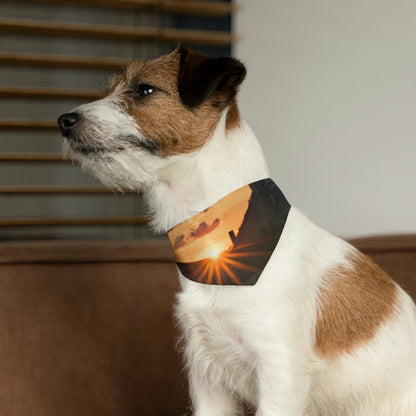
143,90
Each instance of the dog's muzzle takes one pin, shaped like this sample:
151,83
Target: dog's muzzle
67,123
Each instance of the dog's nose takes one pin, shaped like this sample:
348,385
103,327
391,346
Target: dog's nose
67,121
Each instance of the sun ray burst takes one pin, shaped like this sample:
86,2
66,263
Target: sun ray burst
253,243
248,254
231,274
210,273
241,266
217,271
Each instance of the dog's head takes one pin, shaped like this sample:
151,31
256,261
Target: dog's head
154,111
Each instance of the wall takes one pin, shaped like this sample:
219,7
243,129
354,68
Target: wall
331,95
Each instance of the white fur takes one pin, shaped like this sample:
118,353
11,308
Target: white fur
108,121
256,343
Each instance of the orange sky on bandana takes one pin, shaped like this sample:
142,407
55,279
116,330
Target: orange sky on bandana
230,210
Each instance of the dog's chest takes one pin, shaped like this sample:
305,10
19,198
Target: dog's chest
214,342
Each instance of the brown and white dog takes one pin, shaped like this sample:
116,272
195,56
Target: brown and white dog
324,331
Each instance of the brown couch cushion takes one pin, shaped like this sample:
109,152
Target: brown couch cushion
91,336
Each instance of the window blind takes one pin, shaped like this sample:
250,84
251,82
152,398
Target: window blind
56,55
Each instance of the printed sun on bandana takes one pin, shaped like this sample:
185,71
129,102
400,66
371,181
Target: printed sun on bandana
230,242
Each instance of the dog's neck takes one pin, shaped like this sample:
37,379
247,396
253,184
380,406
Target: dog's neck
191,183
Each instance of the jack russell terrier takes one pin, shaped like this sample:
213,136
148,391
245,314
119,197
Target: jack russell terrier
275,312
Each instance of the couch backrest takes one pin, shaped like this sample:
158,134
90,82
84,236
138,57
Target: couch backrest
396,254
86,328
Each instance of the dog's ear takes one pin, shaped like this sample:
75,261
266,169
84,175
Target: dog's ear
202,77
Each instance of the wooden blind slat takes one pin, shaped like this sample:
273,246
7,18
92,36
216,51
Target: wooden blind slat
48,93
28,125
56,61
31,222
202,8
45,28
32,157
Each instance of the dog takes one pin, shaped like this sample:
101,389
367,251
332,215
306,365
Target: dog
323,331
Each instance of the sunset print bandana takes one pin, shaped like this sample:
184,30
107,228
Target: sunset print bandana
231,242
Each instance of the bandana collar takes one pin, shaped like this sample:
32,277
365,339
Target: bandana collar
231,242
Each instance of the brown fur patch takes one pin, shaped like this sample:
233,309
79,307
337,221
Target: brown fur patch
162,117
354,302
233,116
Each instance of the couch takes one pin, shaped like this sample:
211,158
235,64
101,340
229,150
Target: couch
86,327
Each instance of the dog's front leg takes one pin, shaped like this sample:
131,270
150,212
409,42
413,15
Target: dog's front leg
283,386
209,399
